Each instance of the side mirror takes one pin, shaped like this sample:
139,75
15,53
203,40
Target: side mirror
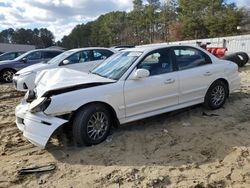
24,60
140,73
65,62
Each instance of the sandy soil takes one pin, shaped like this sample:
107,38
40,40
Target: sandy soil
193,147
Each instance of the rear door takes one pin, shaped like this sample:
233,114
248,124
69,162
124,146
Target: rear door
195,73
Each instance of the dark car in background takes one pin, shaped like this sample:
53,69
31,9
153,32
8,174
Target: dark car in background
9,67
10,55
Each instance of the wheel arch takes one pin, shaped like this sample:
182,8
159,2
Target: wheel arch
7,68
108,106
224,80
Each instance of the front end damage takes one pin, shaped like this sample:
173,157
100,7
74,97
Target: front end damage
37,127
43,109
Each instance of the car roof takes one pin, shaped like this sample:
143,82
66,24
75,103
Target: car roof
13,52
91,48
151,47
123,46
46,50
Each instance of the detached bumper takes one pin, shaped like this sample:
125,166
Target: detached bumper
38,127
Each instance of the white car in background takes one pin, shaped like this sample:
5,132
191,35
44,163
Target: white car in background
82,59
132,84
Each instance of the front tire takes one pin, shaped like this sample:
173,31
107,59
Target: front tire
91,125
216,95
6,75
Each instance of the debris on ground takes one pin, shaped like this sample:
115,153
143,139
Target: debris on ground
36,169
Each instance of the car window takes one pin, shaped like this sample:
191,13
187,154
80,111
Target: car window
158,62
34,56
51,54
8,56
86,56
187,58
19,53
80,57
75,58
101,54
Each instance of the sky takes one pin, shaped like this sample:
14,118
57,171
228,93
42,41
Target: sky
60,16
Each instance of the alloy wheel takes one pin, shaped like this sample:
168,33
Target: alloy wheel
8,75
218,95
97,125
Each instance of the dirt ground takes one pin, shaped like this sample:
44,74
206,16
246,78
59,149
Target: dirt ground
193,147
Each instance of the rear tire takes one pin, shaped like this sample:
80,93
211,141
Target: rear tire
244,56
6,75
216,95
91,125
234,58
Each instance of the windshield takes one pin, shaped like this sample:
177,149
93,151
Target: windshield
114,67
61,57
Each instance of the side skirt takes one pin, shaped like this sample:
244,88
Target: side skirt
160,111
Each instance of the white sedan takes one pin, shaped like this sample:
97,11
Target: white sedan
133,84
82,59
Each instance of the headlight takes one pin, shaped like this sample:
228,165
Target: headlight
39,105
30,96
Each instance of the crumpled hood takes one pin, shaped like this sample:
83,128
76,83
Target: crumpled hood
34,68
59,78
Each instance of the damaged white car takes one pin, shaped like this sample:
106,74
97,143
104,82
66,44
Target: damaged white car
133,84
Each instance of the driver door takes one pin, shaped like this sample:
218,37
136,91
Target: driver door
156,92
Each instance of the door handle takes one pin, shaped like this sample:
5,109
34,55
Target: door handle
207,73
169,81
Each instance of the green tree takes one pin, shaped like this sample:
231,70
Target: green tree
192,14
152,11
41,38
158,21
47,37
23,36
168,17
223,19
209,18
6,35
137,5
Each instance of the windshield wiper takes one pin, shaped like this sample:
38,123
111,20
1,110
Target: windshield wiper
96,74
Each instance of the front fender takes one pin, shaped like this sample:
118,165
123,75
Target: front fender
68,102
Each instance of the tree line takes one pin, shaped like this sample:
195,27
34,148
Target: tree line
41,38
150,22
157,21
